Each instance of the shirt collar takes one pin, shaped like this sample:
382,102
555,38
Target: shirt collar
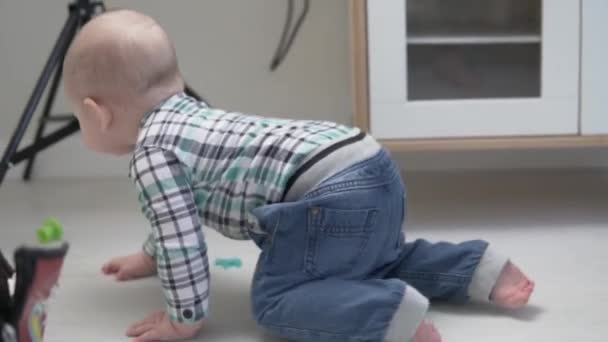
167,103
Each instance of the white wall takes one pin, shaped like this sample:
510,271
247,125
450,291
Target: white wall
224,48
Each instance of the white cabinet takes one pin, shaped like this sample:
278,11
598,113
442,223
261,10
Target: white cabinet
473,68
442,74
594,68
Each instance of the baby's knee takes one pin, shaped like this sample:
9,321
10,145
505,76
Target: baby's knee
259,309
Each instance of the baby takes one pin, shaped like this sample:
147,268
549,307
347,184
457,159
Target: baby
325,204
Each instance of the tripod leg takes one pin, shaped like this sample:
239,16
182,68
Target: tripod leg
46,141
61,46
46,112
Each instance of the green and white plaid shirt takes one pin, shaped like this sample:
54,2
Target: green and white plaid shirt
196,166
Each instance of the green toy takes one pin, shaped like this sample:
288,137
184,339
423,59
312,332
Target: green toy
228,263
50,231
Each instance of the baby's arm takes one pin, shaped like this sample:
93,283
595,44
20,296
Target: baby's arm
167,200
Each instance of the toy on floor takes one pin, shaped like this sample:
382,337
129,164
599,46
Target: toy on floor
50,231
23,311
228,263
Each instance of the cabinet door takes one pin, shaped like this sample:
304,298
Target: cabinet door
470,68
594,101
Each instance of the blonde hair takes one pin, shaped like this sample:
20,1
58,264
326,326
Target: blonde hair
122,53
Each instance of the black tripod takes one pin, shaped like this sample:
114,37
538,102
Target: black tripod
80,12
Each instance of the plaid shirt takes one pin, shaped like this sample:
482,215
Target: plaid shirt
196,166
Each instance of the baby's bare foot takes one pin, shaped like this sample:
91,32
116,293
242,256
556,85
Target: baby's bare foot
426,333
138,265
513,289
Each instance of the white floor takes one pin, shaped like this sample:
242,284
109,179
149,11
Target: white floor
553,224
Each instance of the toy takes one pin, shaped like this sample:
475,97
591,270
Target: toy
50,231
23,312
228,263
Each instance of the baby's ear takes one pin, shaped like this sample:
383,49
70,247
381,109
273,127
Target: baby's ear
101,114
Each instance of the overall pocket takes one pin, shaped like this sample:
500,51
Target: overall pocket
283,242
337,239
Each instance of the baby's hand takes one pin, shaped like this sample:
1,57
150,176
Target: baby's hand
130,267
158,327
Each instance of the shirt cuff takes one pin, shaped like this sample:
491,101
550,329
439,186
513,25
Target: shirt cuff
485,276
188,314
149,247
408,317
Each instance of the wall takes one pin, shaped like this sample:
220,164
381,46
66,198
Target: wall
224,48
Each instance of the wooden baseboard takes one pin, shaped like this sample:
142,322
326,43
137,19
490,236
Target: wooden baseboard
456,144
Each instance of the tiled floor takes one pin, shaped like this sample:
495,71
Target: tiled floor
554,224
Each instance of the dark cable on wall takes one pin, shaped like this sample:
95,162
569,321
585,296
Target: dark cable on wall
287,38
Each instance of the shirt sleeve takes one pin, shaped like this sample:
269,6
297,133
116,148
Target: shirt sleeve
149,246
177,241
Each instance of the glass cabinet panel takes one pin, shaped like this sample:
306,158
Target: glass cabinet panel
471,49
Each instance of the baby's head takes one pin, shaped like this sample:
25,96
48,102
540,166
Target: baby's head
120,65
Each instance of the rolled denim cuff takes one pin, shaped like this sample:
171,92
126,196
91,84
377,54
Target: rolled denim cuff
485,276
408,316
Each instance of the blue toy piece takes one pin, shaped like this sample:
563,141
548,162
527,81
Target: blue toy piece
227,263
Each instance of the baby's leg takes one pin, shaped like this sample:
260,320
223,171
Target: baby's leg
459,272
342,310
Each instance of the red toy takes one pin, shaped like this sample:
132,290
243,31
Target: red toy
23,314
